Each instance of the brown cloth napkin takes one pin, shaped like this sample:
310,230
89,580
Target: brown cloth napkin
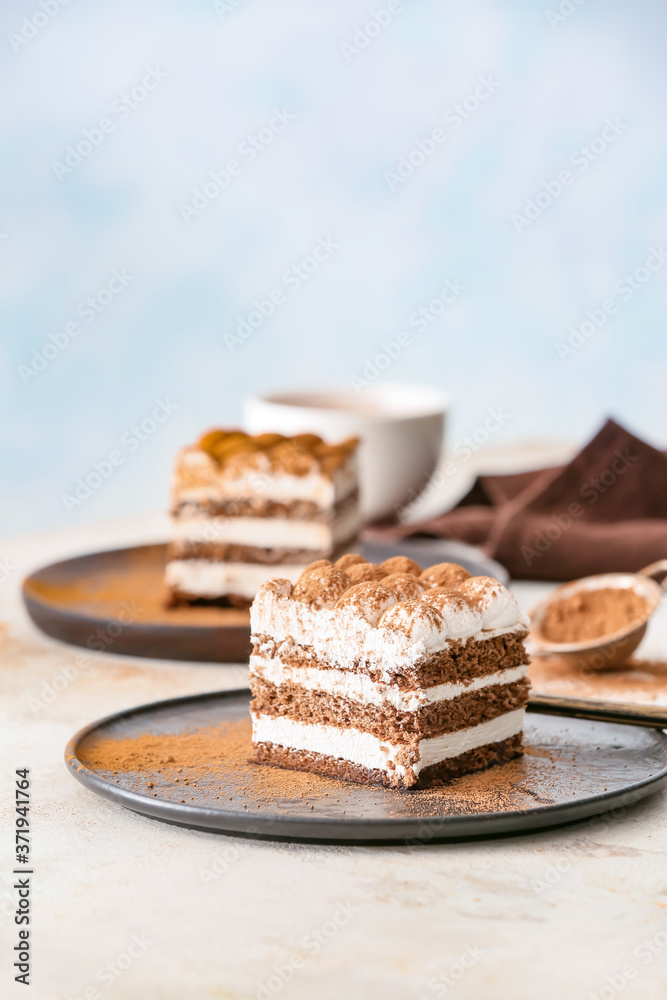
606,511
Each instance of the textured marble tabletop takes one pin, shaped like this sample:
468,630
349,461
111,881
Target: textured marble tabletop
125,907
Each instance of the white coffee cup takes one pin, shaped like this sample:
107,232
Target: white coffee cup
401,429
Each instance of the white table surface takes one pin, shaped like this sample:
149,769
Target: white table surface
550,915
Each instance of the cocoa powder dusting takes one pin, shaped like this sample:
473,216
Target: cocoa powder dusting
637,681
321,586
215,762
591,614
169,751
212,754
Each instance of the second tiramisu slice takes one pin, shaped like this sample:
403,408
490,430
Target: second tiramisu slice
246,508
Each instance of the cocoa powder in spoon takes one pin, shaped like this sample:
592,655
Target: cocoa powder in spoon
591,614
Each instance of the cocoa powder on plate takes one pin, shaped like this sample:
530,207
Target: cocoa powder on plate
217,761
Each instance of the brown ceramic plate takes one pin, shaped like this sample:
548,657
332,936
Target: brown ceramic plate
186,761
115,601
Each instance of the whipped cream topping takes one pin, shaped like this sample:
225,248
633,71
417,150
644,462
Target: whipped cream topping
403,586
401,636
367,601
417,621
461,616
322,587
498,607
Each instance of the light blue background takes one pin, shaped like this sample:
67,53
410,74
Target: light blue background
323,176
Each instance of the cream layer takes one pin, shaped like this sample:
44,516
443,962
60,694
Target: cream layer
342,636
359,687
368,751
267,532
208,579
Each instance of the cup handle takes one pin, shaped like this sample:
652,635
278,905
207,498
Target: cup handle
657,571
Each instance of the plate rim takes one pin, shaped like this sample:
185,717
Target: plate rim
349,831
43,611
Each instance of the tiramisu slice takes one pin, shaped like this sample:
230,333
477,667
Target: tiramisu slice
387,674
245,509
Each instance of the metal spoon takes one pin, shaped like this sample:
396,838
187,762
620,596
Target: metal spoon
652,716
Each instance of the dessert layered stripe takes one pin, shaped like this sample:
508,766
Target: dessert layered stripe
387,674
364,750
244,507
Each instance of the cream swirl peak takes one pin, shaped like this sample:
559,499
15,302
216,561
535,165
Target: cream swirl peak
499,609
327,609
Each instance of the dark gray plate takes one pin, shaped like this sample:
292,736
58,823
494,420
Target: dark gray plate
115,602
573,768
